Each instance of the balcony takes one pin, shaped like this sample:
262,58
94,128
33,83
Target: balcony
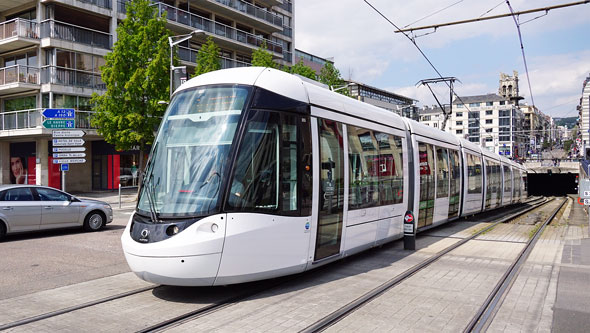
71,77
18,78
252,15
18,33
226,36
190,55
100,3
76,34
27,119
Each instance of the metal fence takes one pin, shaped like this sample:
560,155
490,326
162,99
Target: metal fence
19,73
19,27
252,10
99,3
33,118
71,77
74,33
190,55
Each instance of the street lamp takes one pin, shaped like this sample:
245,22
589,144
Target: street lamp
172,44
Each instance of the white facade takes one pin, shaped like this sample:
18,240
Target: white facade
584,114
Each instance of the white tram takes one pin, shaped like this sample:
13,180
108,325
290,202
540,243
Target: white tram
256,173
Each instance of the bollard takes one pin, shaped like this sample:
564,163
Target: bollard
409,231
119,195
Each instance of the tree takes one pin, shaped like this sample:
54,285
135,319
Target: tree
136,74
208,58
330,75
303,70
262,57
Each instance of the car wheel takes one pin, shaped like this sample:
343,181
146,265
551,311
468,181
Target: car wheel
94,221
2,231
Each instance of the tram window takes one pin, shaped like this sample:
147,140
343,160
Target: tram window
442,173
507,180
474,174
426,212
364,177
266,169
391,177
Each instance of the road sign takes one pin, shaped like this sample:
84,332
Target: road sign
59,123
64,167
68,134
70,160
59,113
68,149
587,202
69,155
67,142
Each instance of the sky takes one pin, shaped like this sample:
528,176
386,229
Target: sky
366,49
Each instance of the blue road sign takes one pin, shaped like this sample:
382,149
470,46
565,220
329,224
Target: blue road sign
65,167
59,113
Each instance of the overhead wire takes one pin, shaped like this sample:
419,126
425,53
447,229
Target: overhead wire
438,11
496,6
429,62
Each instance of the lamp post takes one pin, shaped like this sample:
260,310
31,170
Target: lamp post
172,44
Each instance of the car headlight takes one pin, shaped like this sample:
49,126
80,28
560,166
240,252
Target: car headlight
108,207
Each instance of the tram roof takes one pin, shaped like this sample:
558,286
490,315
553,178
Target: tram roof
296,88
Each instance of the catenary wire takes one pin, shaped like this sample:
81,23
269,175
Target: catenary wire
438,11
496,6
430,62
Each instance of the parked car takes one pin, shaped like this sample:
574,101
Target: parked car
32,207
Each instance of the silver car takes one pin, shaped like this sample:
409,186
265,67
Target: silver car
31,207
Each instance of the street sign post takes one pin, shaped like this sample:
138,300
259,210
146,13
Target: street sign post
59,113
70,160
64,167
68,134
68,149
59,123
67,142
68,155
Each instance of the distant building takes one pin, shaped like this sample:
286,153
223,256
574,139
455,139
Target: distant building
508,87
314,62
584,115
402,105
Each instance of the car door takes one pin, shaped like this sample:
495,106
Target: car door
20,209
56,208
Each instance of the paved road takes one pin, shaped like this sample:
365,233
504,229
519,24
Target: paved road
44,260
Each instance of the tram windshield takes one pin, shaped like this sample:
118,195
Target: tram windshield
190,154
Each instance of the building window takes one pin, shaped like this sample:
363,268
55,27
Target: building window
474,104
489,139
20,103
459,123
489,103
435,125
489,112
502,102
459,114
489,121
488,130
460,105
459,131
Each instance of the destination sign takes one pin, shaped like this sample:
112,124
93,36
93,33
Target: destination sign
68,133
68,149
70,160
59,113
68,155
59,123
67,142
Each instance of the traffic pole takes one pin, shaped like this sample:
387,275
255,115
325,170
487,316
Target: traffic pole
409,231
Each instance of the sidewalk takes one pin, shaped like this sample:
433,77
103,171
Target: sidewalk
112,197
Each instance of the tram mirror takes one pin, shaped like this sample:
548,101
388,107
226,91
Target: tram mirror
328,165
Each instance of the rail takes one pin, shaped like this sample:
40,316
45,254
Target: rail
198,22
33,118
71,77
19,74
19,27
77,34
252,10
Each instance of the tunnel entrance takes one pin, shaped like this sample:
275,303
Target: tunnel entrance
552,184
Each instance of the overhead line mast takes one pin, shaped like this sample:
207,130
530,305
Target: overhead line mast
545,9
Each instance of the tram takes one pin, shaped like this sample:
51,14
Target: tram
256,173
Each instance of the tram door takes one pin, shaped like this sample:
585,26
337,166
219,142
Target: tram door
331,205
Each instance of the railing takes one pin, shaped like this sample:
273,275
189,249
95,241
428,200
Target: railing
99,3
34,118
73,33
287,56
253,10
19,27
71,77
287,5
19,73
190,55
287,31
199,22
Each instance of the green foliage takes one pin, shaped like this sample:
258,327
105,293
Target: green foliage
262,57
303,70
208,58
136,74
567,144
330,75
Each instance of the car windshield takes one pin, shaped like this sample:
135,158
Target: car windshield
190,154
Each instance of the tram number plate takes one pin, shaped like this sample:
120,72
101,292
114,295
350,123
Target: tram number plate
587,202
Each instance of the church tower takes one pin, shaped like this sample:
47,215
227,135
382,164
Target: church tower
508,85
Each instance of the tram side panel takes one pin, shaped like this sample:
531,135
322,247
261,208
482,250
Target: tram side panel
473,177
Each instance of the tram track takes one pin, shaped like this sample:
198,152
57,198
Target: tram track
359,302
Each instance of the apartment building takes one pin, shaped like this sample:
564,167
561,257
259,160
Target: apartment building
584,117
51,52
402,105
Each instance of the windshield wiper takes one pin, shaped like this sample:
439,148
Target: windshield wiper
149,193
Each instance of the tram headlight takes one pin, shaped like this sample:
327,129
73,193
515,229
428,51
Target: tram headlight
172,230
